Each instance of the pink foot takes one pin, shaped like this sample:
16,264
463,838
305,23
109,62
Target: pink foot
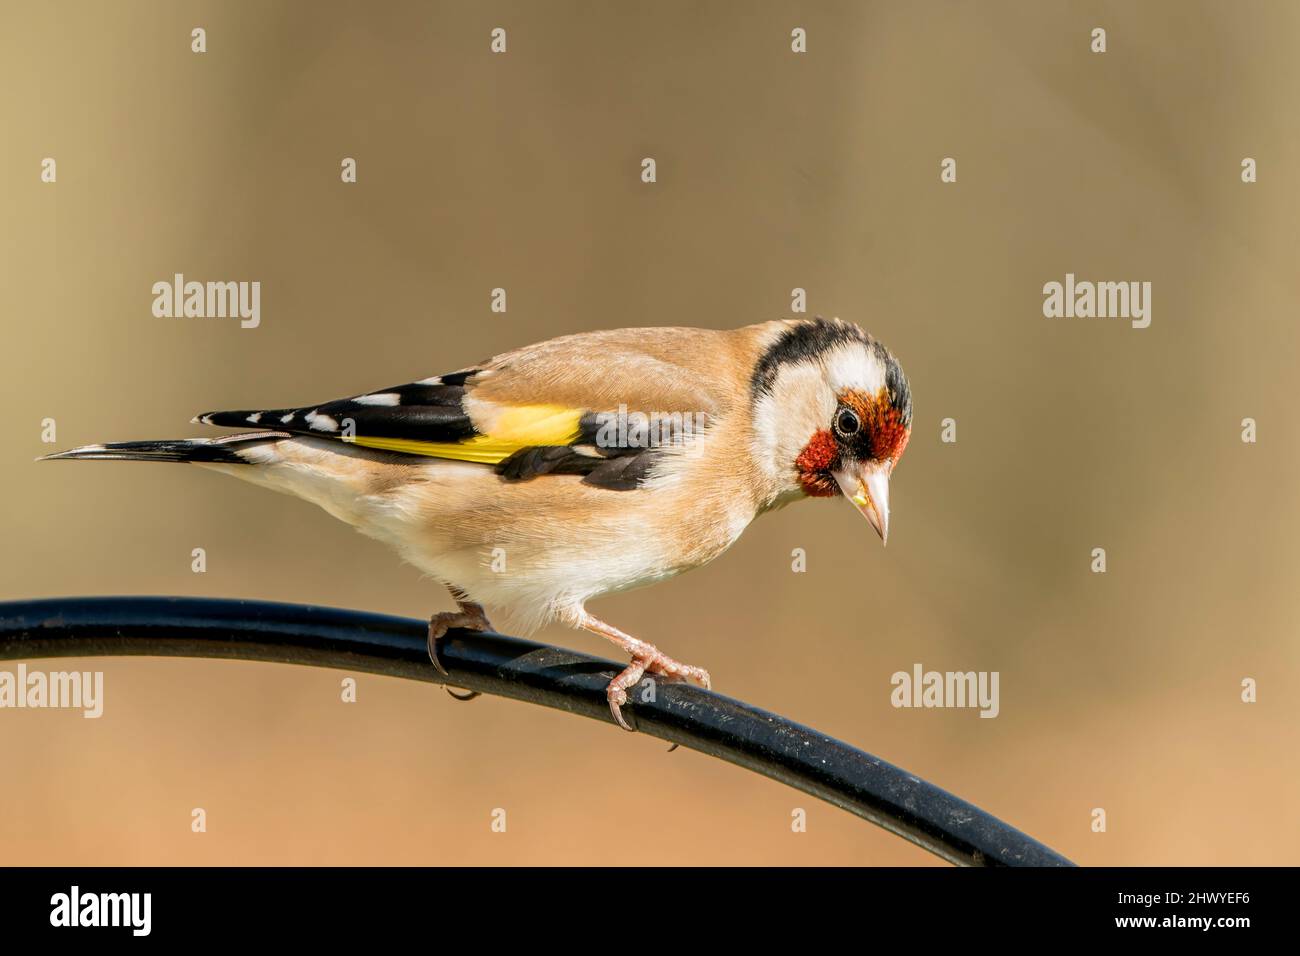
656,662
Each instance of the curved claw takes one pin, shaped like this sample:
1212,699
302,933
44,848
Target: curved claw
615,708
438,626
433,657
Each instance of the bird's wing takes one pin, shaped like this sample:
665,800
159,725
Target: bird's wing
546,409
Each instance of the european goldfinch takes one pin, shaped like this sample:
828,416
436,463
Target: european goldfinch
584,465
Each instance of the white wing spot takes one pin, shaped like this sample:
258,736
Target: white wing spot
286,418
383,398
255,417
321,423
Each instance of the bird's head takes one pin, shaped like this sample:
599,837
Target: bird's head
832,414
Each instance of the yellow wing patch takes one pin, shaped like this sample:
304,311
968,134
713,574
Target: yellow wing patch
521,426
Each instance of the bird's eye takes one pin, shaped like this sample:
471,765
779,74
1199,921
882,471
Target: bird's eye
846,423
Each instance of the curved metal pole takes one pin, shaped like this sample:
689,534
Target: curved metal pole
523,670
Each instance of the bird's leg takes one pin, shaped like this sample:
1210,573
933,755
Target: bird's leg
471,616
645,657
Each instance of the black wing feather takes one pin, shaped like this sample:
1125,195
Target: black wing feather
432,410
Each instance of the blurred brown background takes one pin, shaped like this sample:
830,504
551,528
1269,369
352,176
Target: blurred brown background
775,170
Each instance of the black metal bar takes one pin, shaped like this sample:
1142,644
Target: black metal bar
523,670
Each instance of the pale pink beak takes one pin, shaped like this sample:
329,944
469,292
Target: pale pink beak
867,486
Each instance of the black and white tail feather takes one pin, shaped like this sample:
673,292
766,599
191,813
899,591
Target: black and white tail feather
430,408
225,450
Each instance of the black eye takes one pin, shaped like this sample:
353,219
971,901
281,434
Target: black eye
846,423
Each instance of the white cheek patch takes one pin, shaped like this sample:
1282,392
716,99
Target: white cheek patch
854,366
797,407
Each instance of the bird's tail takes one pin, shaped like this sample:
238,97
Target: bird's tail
227,450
